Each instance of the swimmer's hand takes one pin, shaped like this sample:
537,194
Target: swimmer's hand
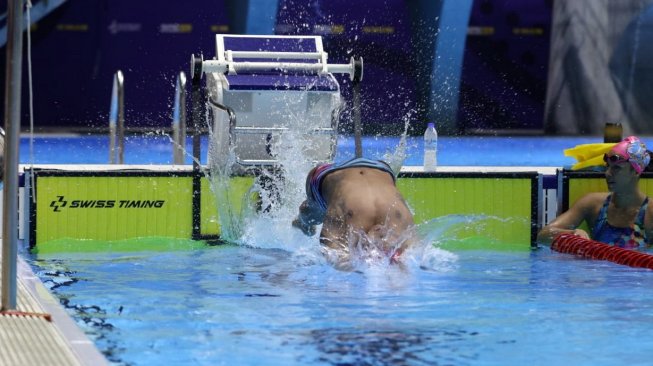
305,228
582,233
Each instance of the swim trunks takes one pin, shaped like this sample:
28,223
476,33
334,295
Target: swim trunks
317,175
624,237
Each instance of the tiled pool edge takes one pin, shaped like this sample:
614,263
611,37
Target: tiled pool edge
72,341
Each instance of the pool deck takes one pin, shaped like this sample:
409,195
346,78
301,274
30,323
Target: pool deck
39,331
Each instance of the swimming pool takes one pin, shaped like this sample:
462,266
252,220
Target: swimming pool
247,306
452,151
274,300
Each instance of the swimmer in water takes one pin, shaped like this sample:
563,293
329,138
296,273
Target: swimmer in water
623,216
358,204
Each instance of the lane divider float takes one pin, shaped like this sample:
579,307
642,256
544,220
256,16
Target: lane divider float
586,248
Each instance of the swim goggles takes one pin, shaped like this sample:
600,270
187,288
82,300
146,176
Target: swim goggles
614,159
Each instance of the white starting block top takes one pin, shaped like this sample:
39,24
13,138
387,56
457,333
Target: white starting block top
297,63
238,54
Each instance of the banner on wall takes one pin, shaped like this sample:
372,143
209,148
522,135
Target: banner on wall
77,48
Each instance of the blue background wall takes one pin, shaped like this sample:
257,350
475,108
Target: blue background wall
77,48
422,61
381,34
505,66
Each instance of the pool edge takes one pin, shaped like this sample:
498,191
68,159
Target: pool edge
81,346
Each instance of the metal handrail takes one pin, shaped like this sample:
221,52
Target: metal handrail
260,130
356,78
117,120
200,66
232,117
230,55
223,66
179,120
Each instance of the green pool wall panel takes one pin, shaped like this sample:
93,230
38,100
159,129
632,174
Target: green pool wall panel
112,208
502,207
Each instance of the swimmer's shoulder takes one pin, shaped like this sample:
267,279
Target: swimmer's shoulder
593,198
590,203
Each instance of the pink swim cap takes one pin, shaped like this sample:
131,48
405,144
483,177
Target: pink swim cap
634,150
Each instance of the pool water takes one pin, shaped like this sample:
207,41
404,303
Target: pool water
236,305
452,151
275,301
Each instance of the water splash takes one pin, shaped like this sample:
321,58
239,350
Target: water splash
272,228
281,189
397,157
219,172
438,230
367,254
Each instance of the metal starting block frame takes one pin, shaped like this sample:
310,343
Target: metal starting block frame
256,84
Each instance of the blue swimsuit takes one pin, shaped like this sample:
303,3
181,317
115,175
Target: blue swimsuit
317,175
624,237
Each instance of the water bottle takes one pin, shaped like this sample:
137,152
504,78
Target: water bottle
613,132
430,148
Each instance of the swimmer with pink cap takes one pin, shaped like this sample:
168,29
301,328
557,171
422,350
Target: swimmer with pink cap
632,150
621,216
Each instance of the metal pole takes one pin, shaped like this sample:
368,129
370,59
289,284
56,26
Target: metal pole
179,120
113,121
196,112
12,129
356,79
121,117
117,119
196,115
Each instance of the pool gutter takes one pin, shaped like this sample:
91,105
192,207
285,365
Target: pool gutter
41,332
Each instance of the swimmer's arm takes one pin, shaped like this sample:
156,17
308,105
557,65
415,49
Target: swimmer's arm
648,225
309,216
335,249
412,240
568,222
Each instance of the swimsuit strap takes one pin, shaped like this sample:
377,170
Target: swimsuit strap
602,219
642,212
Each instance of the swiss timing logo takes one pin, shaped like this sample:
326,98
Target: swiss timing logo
57,204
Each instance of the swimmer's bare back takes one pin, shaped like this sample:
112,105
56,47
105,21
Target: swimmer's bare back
362,199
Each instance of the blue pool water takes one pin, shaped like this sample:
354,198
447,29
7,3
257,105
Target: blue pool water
453,151
275,302
233,305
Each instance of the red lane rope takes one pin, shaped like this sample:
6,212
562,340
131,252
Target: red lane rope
586,248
